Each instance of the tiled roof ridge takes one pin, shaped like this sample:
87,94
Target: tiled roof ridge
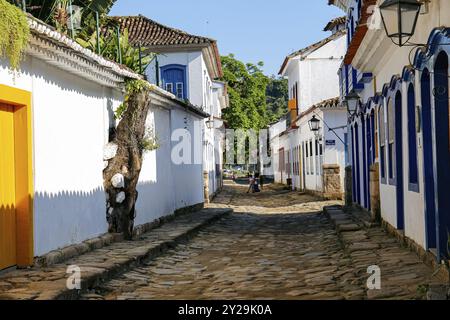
328,103
121,19
334,22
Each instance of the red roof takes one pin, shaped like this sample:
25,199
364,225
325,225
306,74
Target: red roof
151,34
360,31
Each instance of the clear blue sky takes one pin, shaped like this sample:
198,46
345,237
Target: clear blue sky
254,30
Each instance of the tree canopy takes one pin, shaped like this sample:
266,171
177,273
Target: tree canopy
255,99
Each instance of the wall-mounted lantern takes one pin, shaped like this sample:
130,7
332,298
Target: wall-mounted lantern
400,19
314,124
352,101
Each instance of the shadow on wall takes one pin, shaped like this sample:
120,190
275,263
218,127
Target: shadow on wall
67,218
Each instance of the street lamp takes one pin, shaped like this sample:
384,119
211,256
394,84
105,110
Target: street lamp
314,124
400,19
352,101
210,123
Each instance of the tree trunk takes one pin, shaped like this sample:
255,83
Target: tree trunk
124,165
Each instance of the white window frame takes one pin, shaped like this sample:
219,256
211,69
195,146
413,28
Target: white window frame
171,86
182,90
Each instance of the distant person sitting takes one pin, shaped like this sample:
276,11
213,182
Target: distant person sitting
251,182
256,183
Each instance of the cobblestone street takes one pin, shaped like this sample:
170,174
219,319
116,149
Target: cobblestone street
277,245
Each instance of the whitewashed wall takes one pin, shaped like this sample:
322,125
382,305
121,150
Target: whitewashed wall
194,78
316,75
156,194
70,129
71,121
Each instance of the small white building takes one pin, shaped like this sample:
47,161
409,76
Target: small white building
56,112
188,66
314,161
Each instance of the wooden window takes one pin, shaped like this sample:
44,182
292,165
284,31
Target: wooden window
412,140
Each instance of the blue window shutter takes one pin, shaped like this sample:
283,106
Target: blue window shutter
174,77
412,138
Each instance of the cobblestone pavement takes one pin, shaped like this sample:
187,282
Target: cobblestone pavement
49,283
277,245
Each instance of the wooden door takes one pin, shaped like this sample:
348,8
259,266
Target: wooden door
8,254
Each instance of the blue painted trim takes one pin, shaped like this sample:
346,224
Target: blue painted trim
408,74
414,187
437,37
346,80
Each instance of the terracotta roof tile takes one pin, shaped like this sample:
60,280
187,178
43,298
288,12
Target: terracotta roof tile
360,31
150,33
335,22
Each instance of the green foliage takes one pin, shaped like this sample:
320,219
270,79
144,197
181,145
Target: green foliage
150,141
277,98
247,91
56,11
15,33
108,49
255,99
131,87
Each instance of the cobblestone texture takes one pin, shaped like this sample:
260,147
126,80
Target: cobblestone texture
277,245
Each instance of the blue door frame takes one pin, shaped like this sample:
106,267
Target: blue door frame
369,158
353,165
358,169
442,174
365,170
428,169
399,162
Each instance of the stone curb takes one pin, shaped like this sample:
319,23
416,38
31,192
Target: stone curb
98,275
350,222
69,252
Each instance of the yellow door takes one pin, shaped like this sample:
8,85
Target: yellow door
7,189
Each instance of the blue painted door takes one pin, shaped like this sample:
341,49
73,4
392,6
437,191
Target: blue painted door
174,80
399,162
428,169
358,166
442,153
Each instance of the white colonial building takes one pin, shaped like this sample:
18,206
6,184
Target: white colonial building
400,132
314,161
186,65
56,113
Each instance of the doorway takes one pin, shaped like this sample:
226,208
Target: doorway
7,189
399,162
442,174
16,183
428,169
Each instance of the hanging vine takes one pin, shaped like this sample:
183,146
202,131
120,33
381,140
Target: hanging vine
15,33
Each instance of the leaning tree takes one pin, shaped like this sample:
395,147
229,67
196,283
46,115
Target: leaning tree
124,156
